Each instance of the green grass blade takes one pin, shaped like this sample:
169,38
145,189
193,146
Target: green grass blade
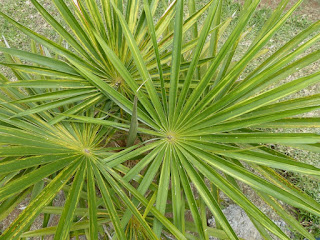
48,43
185,183
44,72
254,181
215,35
238,197
133,124
117,97
309,147
207,197
263,159
125,74
195,95
28,162
196,56
177,205
262,99
41,60
55,95
55,104
176,61
62,32
312,122
278,180
31,178
75,109
114,124
119,191
141,66
134,171
94,11
228,80
252,85
109,204
51,230
276,14
11,203
34,208
74,25
166,223
57,83
66,217
263,138
162,195
290,220
27,150
147,178
156,50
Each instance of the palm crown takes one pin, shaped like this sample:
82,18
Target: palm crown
194,123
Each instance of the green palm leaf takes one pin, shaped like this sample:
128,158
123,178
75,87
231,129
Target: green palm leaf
133,120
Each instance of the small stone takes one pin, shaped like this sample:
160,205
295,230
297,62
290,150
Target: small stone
242,225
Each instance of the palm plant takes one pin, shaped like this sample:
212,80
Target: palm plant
194,123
